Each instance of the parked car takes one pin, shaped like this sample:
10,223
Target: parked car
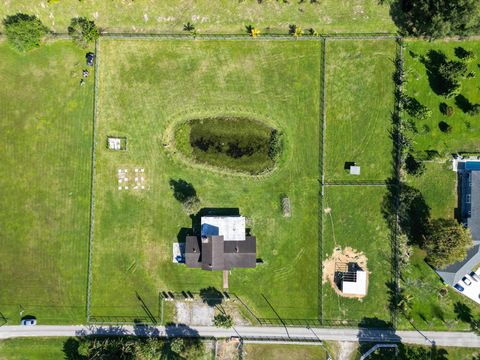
458,287
466,281
90,58
474,276
28,322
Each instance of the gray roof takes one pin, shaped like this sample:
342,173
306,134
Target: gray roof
213,253
453,273
473,222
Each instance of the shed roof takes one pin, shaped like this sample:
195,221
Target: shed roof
232,228
357,287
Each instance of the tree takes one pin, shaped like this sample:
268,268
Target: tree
447,242
188,27
177,345
83,31
415,109
437,18
24,32
413,166
475,110
451,73
223,320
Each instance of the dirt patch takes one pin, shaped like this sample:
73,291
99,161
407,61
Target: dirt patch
231,308
342,256
193,313
228,350
346,350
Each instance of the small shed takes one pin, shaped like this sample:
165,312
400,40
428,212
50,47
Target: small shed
355,283
116,143
354,170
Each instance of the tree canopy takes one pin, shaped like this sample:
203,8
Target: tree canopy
24,32
437,18
447,242
223,320
83,31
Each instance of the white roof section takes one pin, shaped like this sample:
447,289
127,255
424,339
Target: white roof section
358,287
354,170
471,291
232,228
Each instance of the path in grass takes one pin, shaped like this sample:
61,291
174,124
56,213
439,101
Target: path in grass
144,87
360,102
45,141
353,218
210,16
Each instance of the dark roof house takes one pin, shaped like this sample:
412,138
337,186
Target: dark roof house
459,274
222,245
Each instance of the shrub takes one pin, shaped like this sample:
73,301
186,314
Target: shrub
295,30
83,31
413,166
451,72
24,32
475,110
177,345
275,147
188,27
252,31
446,109
192,205
463,54
413,108
444,127
223,320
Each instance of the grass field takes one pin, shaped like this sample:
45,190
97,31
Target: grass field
211,16
32,349
465,128
353,221
275,351
45,141
146,86
360,102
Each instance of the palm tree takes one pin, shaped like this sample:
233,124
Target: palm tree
188,26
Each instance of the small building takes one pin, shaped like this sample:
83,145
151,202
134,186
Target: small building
222,245
352,280
116,143
354,170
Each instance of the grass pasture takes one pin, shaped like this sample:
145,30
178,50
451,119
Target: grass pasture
211,17
145,88
464,127
360,101
45,174
351,220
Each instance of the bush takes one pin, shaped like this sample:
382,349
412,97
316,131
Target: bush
413,166
475,110
177,345
192,205
465,55
451,72
223,320
447,242
24,32
413,108
446,109
444,127
83,31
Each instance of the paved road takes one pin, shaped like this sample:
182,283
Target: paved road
440,338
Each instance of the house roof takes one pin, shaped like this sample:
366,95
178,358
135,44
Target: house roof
232,228
213,253
473,222
452,273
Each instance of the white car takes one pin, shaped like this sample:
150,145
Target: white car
28,322
466,281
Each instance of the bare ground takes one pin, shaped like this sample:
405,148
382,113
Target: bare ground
347,255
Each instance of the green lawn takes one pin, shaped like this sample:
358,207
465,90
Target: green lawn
45,142
211,16
360,102
32,349
465,128
354,219
276,351
145,88
410,352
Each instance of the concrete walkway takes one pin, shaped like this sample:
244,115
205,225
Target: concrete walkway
440,338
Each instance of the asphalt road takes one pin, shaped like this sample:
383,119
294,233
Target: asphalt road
440,338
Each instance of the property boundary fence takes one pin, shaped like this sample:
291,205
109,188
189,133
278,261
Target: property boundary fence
93,182
323,38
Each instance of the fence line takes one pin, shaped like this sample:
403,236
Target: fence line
323,115
94,172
